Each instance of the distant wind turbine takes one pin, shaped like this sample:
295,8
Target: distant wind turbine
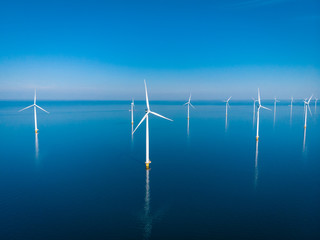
306,108
227,105
189,104
131,110
291,109
259,106
35,106
146,117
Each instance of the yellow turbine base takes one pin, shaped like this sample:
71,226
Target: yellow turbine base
305,126
147,165
132,123
36,131
188,118
257,138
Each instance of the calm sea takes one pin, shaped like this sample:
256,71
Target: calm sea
83,175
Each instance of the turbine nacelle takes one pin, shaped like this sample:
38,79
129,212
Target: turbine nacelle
148,111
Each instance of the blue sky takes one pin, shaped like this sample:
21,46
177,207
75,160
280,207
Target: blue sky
104,49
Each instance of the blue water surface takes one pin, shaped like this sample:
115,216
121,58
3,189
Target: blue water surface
83,175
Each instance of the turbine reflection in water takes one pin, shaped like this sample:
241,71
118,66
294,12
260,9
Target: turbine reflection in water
256,170
36,148
275,111
132,132
147,216
304,139
132,141
188,128
226,124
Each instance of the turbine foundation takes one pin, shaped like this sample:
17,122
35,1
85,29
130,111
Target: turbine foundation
147,165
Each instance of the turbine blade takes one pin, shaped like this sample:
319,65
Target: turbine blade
41,109
161,116
192,106
310,99
26,108
229,99
147,100
309,110
265,108
185,103
259,100
144,117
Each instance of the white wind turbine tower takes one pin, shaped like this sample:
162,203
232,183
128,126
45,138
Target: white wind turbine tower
258,112
227,106
291,104
306,108
35,106
275,109
131,110
189,104
146,117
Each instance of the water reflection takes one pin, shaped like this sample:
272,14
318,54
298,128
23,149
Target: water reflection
256,170
226,124
304,139
147,216
274,115
188,128
291,115
36,147
132,132
132,140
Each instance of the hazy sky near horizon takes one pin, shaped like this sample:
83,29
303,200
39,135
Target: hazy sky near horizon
214,49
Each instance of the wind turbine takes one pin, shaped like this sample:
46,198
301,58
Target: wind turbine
306,108
146,117
259,106
291,109
131,110
227,105
189,104
35,106
275,109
